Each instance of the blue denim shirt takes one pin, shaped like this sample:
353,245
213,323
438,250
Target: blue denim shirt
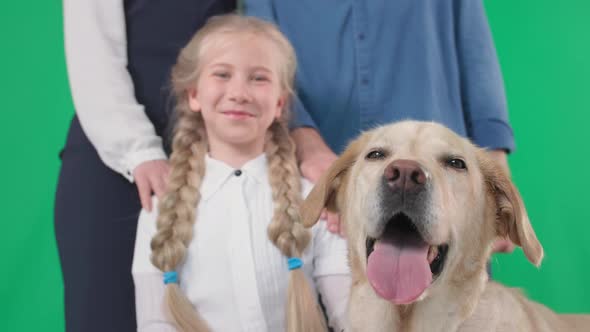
369,62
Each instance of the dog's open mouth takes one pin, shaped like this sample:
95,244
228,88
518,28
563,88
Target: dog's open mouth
400,264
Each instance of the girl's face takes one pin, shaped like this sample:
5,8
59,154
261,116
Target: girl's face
238,91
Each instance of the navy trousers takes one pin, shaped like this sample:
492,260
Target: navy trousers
96,211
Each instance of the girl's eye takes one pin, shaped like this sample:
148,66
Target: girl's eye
375,154
221,74
260,78
457,163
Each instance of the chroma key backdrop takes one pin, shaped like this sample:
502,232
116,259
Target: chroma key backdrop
544,51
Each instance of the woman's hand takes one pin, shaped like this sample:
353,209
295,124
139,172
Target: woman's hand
150,177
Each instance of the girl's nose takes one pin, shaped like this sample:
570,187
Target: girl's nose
238,91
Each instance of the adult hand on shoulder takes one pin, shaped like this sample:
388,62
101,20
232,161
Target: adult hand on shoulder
503,245
333,222
151,176
315,157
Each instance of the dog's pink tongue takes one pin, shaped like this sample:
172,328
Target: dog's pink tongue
399,272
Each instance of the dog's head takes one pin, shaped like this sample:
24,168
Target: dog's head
422,207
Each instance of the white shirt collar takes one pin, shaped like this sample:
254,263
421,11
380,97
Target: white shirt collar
217,173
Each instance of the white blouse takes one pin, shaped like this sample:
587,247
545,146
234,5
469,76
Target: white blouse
101,86
233,273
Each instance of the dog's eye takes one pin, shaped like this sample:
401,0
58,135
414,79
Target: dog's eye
456,163
375,154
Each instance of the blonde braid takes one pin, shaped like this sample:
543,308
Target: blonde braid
177,214
287,233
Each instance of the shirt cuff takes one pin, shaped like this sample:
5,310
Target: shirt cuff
135,159
493,134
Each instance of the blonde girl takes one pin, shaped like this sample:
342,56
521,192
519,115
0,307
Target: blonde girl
225,250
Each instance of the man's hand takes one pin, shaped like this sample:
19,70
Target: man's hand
151,176
333,222
315,157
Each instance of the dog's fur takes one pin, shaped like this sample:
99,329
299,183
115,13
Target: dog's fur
467,209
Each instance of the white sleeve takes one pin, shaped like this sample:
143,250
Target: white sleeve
102,90
330,253
149,304
146,229
331,272
335,291
148,280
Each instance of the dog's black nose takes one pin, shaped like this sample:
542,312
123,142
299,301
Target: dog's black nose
405,175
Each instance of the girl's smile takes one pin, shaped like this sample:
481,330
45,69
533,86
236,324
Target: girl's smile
238,115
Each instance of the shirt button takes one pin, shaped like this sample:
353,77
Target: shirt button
237,172
361,36
365,81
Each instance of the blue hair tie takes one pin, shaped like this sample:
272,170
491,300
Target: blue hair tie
170,277
294,263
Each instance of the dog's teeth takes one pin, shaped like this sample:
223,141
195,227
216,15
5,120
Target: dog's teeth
432,253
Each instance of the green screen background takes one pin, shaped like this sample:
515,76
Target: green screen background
544,50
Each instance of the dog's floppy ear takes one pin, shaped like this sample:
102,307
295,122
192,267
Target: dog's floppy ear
330,184
511,217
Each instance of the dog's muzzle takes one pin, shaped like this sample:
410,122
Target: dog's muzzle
401,263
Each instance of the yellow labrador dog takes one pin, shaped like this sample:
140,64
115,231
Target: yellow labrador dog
422,207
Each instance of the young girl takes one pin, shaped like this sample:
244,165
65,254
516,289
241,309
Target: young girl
227,250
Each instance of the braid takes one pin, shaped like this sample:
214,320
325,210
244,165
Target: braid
287,232
177,214
177,209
